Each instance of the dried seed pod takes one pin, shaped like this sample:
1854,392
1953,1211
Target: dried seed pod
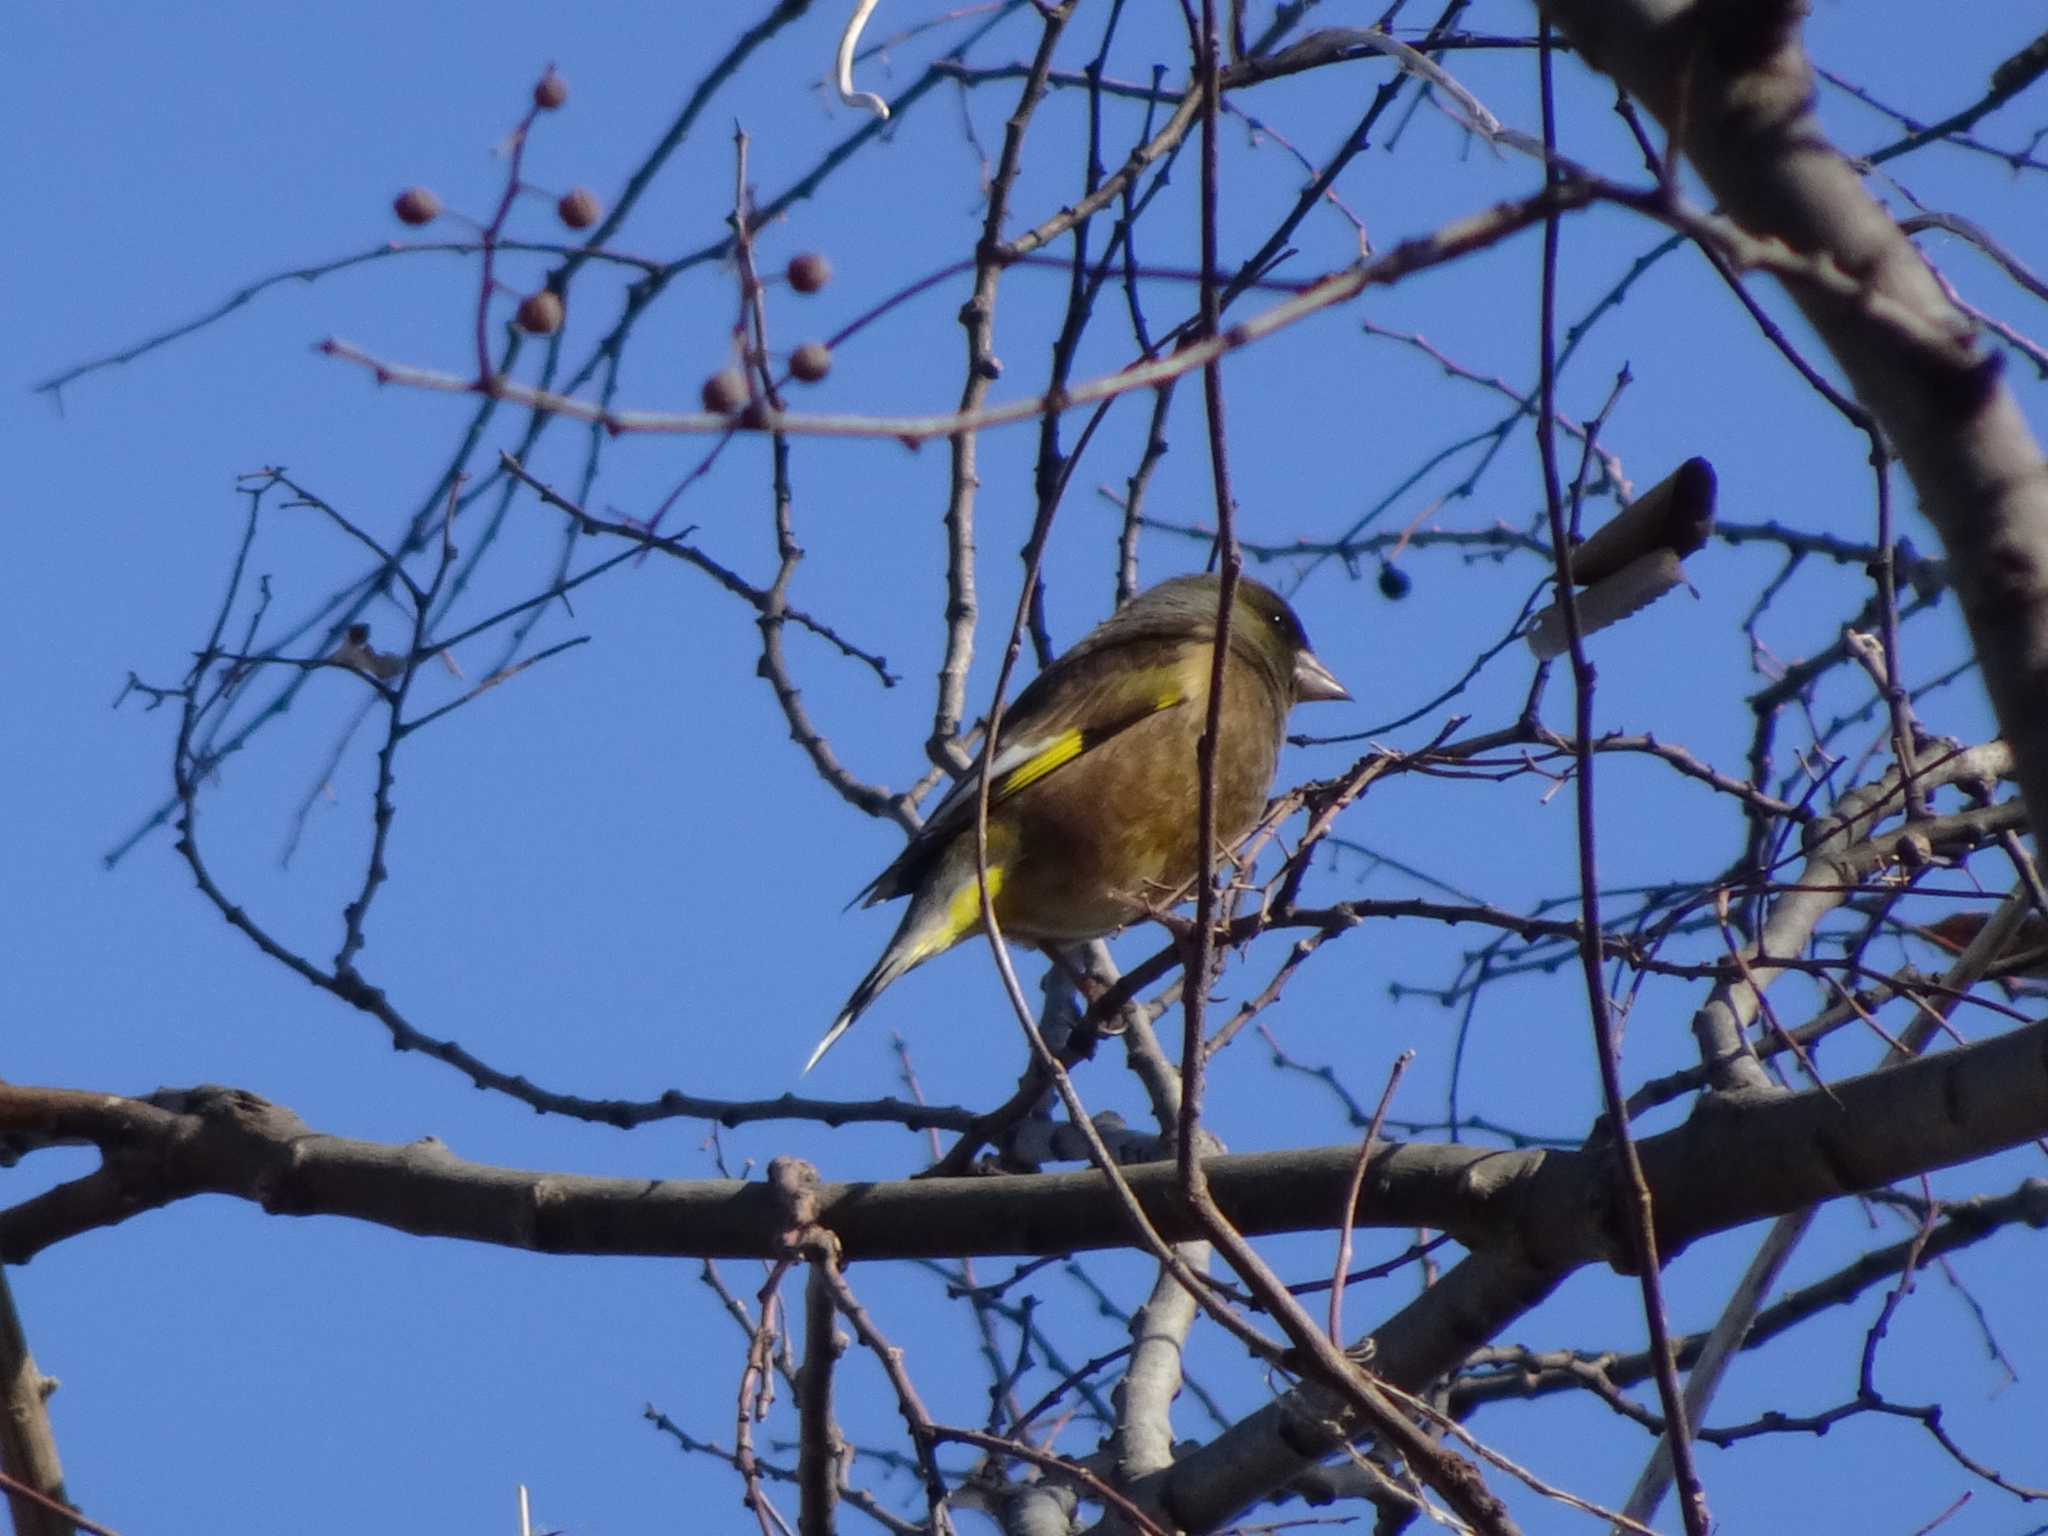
809,271
1635,586
416,206
725,391
1677,513
1635,559
2023,951
810,362
355,651
540,314
578,208
550,91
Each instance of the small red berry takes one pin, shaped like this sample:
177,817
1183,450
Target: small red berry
578,208
550,91
540,314
416,205
725,391
809,271
810,362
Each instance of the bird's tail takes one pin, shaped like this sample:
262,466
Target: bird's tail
940,916
892,965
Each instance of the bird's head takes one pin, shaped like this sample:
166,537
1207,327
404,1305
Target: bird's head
1267,611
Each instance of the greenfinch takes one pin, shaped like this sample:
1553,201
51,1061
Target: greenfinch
1095,787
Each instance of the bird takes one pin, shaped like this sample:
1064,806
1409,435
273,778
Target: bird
1094,790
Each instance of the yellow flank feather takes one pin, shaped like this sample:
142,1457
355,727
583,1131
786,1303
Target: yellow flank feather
963,916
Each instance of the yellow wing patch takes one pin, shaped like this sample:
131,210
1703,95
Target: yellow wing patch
1062,749
1070,744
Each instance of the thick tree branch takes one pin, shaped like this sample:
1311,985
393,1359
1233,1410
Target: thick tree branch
28,1449
1738,1159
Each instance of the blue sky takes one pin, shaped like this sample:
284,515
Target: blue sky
615,875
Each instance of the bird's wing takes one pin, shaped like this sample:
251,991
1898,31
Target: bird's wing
1048,737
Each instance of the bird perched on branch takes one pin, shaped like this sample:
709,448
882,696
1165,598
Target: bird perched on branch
1094,792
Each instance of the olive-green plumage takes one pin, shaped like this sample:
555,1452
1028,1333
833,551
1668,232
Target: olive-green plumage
1095,791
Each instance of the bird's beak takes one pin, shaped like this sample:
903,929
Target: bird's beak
1313,680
